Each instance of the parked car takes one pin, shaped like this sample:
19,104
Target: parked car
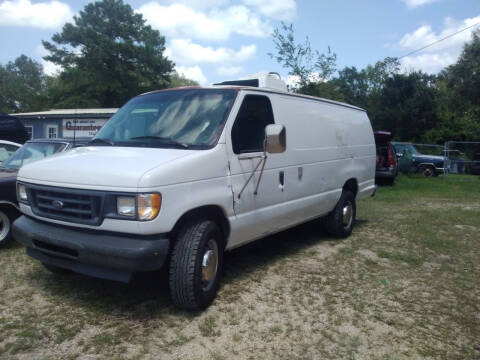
7,148
179,176
387,166
428,165
33,150
12,129
475,168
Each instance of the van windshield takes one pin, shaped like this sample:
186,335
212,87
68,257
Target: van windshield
187,118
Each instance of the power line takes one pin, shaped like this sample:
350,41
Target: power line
436,42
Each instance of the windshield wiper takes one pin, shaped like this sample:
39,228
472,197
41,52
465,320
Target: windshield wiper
101,140
166,140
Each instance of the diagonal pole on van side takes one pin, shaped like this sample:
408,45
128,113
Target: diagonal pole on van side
262,160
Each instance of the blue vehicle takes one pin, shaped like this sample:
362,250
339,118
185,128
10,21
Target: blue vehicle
428,165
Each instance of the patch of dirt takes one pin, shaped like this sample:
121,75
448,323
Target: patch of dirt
466,227
369,254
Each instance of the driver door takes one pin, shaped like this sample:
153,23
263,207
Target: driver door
258,212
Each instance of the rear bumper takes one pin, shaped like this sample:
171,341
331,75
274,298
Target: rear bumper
105,255
386,174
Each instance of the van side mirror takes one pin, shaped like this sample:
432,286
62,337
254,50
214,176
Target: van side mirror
275,138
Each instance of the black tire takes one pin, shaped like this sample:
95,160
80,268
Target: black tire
334,222
427,170
390,181
57,270
5,228
192,286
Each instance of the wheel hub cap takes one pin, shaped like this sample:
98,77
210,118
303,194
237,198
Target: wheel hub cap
209,264
347,214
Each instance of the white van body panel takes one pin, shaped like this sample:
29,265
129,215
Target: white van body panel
327,145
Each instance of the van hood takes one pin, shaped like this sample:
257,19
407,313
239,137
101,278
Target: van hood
99,166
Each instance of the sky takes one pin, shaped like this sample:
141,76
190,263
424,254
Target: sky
216,40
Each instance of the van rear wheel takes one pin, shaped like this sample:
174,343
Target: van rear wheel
340,221
196,264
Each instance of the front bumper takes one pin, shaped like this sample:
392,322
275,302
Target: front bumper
112,256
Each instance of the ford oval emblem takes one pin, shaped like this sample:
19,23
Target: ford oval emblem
57,204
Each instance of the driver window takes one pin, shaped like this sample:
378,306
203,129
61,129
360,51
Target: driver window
248,131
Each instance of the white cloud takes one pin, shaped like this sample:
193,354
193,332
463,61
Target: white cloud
184,51
429,63
180,20
416,3
49,68
46,15
276,9
440,55
203,4
229,70
193,73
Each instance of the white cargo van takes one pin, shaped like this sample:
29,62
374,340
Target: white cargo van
179,176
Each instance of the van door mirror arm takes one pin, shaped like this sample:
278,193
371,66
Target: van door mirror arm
263,160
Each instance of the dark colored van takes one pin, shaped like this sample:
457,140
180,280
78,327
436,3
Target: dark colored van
387,166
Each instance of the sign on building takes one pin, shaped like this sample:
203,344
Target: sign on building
81,127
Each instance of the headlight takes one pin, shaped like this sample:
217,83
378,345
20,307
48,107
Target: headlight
126,206
148,206
22,193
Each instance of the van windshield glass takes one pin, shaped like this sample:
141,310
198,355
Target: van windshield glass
187,118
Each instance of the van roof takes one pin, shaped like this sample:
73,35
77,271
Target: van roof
257,89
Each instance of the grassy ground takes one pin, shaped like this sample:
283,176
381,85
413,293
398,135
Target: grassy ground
405,285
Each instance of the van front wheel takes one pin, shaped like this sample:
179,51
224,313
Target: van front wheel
5,229
340,221
195,265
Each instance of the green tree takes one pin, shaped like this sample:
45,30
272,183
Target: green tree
178,80
463,77
406,106
322,89
107,55
22,85
458,99
362,88
309,66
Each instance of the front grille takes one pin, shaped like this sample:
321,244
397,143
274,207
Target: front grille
66,204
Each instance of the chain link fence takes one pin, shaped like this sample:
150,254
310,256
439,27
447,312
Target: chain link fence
462,158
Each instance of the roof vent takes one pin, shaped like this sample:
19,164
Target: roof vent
271,80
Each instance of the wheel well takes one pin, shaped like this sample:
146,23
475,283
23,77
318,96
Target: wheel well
351,185
9,209
209,212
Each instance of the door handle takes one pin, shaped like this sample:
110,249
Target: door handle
281,179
